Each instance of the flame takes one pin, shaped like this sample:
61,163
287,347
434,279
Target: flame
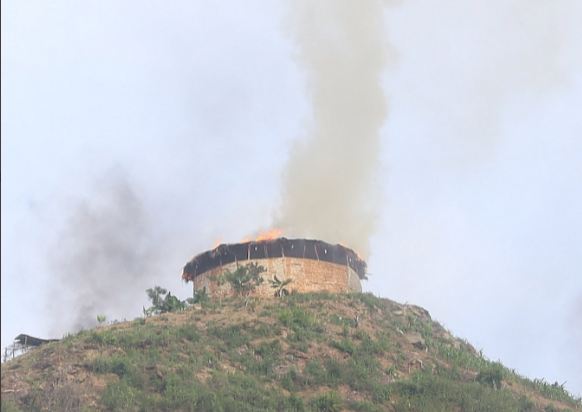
269,234
265,235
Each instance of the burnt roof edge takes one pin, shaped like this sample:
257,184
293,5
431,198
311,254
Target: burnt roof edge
256,250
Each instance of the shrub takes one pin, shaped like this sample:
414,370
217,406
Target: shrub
116,365
162,302
200,296
526,405
232,336
120,396
553,391
551,408
293,404
207,401
178,394
368,299
298,319
242,393
491,375
293,380
344,345
56,396
316,373
328,402
363,373
269,353
244,279
106,337
279,286
334,371
188,332
363,406
427,392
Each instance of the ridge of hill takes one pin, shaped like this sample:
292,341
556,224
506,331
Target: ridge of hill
303,352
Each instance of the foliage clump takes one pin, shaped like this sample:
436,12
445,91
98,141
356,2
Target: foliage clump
280,286
328,402
244,280
200,296
163,301
491,375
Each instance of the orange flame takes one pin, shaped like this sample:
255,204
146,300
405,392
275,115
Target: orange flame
269,234
265,235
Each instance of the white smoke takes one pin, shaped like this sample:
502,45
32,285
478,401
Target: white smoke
329,186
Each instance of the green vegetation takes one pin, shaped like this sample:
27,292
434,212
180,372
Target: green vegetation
491,375
427,392
302,353
280,286
200,296
553,391
162,302
244,280
9,406
328,402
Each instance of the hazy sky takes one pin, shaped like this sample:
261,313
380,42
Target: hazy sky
137,134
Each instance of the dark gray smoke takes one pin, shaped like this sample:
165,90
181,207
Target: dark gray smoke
104,258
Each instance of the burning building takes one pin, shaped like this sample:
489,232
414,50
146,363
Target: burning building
311,265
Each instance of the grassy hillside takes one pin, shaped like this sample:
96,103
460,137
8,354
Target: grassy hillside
305,352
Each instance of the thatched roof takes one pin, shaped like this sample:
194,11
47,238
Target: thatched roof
275,248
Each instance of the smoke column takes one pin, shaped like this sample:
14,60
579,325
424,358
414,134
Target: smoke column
328,185
105,257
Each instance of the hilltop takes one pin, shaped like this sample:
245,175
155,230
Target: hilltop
303,352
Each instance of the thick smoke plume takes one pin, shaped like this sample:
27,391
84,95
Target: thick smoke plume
329,189
105,258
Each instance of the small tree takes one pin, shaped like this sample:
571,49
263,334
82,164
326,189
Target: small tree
155,295
279,286
245,279
101,319
161,303
173,304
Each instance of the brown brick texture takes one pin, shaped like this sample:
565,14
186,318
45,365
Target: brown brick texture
307,275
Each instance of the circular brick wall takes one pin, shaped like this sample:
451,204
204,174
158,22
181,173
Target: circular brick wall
306,276
312,266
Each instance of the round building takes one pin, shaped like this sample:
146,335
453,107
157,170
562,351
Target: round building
312,266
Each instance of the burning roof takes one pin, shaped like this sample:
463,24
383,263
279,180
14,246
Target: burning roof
274,248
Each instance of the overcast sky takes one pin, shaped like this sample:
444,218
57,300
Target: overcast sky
138,134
